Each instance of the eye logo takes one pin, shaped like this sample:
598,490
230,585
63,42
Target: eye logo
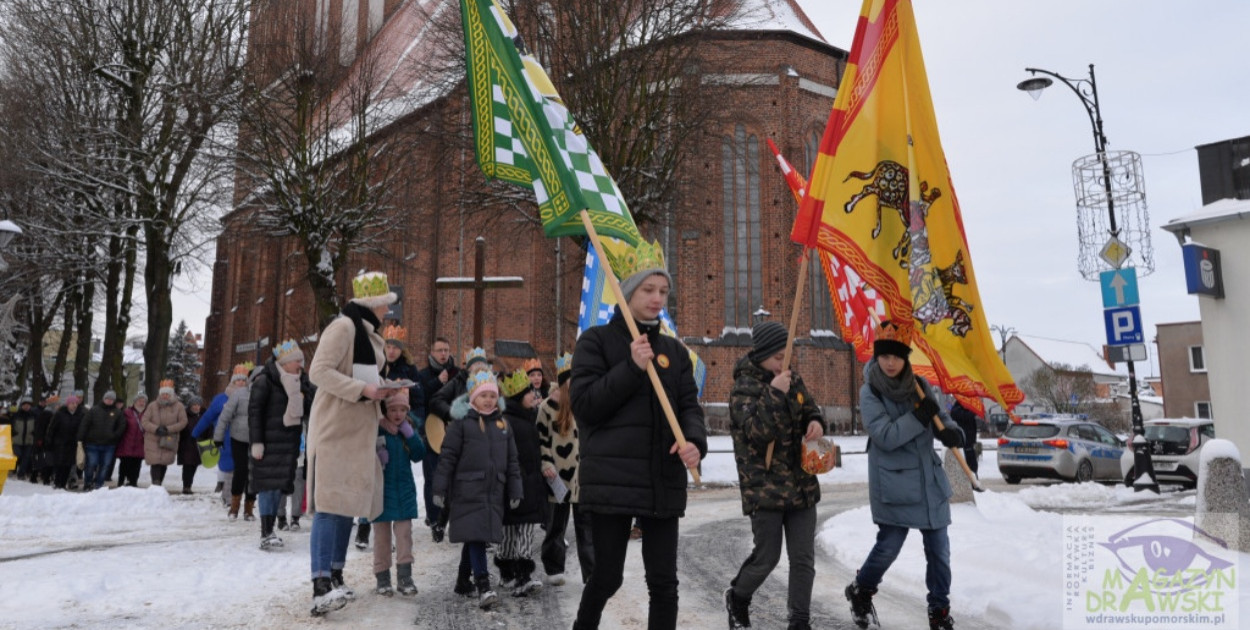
1163,549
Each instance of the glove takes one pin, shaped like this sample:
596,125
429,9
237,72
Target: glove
512,504
258,452
438,501
161,431
219,443
925,412
384,456
405,429
950,438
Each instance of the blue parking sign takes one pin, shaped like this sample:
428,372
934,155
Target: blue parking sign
1123,325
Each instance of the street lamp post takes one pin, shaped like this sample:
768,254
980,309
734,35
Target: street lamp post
1087,91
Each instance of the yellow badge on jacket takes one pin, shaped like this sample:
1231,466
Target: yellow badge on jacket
662,360
799,397
503,426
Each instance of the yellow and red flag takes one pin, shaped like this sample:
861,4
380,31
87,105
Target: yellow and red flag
880,200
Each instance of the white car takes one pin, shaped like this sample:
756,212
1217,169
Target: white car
1175,446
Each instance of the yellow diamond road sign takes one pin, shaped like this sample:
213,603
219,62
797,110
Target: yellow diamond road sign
1115,252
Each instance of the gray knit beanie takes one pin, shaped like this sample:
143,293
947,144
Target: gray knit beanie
767,339
631,284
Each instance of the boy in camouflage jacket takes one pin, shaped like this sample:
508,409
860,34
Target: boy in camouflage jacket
771,412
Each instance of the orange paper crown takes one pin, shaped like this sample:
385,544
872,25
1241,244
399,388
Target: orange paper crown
167,383
391,332
531,364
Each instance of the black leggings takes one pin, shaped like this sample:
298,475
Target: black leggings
128,471
610,533
188,474
241,453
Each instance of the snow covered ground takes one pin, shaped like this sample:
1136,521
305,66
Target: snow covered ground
144,558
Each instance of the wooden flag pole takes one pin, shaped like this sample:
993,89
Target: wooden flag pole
633,330
794,324
937,423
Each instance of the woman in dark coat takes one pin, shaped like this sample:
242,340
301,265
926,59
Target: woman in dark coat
515,556
477,472
188,450
631,463
278,406
63,439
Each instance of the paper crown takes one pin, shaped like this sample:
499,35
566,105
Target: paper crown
241,371
889,338
481,379
888,330
530,365
370,284
638,258
167,383
286,349
476,354
514,383
391,332
564,363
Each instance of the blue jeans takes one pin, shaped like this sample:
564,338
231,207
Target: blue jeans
937,553
328,542
474,554
99,461
269,501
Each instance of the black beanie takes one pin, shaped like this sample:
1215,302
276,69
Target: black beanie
767,339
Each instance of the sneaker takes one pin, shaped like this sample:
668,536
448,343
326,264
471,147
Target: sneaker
556,579
271,542
487,599
282,523
940,619
863,613
738,609
295,527
524,587
326,597
336,579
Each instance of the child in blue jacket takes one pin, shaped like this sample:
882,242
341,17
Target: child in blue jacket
399,447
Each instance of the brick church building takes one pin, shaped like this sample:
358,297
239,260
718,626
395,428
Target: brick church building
773,76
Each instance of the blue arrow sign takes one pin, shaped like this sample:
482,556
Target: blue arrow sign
1119,287
1123,326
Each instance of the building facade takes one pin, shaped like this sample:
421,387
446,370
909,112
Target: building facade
1183,370
726,239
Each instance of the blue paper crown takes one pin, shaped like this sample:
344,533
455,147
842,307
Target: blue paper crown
476,353
481,378
564,363
285,348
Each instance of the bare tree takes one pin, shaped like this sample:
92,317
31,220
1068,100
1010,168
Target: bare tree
1062,388
312,155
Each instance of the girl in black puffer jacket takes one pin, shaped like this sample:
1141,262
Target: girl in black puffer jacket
278,407
515,558
631,463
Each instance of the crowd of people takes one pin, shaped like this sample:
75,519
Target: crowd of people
509,459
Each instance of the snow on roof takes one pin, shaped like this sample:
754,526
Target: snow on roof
1073,353
773,15
1214,212
130,356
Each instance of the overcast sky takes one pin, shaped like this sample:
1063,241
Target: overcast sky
1171,75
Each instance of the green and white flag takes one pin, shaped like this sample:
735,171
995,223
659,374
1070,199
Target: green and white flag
524,134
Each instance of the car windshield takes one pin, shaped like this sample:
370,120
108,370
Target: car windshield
1165,433
1034,431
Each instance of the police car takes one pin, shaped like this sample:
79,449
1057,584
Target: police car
1069,448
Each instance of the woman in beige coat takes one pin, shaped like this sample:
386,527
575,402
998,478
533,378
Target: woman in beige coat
161,422
344,473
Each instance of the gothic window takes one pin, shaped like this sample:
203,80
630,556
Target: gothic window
818,286
740,167
376,17
351,27
322,25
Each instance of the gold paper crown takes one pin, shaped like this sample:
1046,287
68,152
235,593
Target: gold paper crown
284,349
242,370
530,365
370,284
391,332
484,377
564,363
514,383
639,258
167,383
888,330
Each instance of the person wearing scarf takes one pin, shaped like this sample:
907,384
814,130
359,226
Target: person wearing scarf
281,397
907,488
344,475
440,369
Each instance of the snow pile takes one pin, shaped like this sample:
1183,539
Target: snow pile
1075,496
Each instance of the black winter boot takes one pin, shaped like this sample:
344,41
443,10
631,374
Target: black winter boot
940,619
326,597
464,585
336,578
739,610
525,582
362,536
799,625
863,613
486,596
282,522
405,586
384,587
507,571
268,539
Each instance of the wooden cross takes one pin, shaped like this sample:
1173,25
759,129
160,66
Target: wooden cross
479,284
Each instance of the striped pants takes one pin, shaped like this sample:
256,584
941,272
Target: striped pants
518,541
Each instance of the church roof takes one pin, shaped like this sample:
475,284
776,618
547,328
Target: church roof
773,15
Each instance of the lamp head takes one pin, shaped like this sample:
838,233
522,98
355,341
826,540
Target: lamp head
1034,86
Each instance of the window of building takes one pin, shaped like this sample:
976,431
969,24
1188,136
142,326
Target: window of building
376,16
1202,409
818,295
740,167
351,28
1197,360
